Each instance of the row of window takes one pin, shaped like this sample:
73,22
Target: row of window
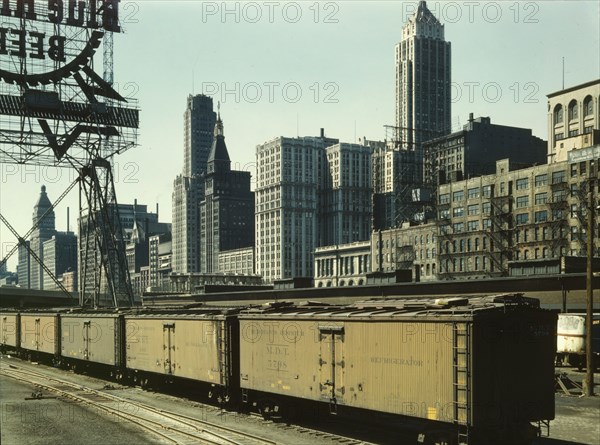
573,110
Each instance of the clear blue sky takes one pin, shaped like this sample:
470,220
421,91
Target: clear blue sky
293,67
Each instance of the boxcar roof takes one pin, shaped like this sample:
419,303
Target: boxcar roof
389,308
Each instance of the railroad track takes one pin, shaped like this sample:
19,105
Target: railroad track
169,426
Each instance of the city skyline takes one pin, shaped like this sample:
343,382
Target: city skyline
348,61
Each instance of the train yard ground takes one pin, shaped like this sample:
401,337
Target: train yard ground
58,418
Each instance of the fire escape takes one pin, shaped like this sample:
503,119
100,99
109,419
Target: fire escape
559,209
500,232
445,238
405,256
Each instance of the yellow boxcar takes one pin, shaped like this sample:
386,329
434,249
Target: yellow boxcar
196,347
9,329
92,337
452,361
40,332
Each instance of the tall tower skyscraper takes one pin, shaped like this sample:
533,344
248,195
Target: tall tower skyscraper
422,81
45,229
188,188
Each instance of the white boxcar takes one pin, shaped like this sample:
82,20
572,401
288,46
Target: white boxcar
570,338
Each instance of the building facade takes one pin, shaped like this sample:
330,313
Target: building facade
532,213
237,261
408,247
60,257
227,211
160,261
188,188
343,265
24,266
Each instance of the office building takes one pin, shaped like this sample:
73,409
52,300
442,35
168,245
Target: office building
474,150
188,188
347,192
227,210
290,178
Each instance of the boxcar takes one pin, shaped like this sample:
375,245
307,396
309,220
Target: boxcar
200,346
92,338
9,330
40,332
480,367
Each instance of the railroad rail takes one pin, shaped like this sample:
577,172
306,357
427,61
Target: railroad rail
169,426
178,428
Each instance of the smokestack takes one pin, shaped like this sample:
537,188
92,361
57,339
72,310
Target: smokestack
322,132
157,211
470,117
68,228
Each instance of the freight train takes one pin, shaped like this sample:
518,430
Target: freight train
454,370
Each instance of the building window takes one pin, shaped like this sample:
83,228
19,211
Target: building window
541,216
487,191
588,106
573,110
574,233
458,196
487,224
445,198
522,184
458,227
558,114
473,209
573,133
522,201
573,210
558,177
541,198
573,190
522,218
473,193
541,180
458,211
473,226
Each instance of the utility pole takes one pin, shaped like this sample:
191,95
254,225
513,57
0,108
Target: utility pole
589,365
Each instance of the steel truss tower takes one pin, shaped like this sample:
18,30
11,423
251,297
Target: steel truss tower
55,110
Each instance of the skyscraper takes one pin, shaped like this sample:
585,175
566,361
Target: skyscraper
227,211
44,231
346,209
57,250
188,188
290,184
422,82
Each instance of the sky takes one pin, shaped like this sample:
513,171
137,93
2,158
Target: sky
289,68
